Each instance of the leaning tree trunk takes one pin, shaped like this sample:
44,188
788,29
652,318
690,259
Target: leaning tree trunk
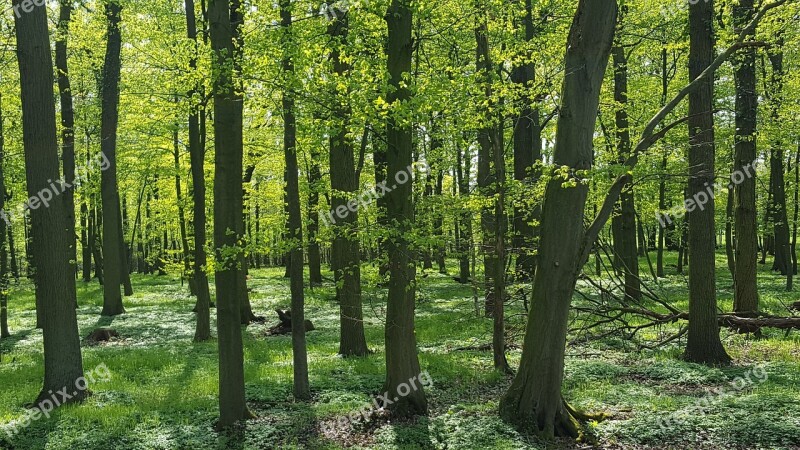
402,362
227,220
703,344
533,402
745,297
345,251
301,388
112,239
54,280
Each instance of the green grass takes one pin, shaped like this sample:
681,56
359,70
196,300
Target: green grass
162,394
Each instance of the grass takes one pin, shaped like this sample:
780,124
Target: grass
162,393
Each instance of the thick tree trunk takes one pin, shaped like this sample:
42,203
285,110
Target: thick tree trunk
346,259
402,362
112,239
55,282
533,402
703,344
745,297
300,354
227,220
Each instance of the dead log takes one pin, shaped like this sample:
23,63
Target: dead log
285,325
101,335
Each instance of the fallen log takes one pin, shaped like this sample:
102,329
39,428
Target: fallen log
285,325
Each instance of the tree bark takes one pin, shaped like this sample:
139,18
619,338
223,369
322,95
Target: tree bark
745,297
534,402
227,219
67,123
301,389
54,280
527,151
703,344
4,220
112,239
780,221
402,362
345,251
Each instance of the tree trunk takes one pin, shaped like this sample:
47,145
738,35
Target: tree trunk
67,123
464,163
227,220
402,362
782,262
703,344
745,297
197,161
4,220
314,186
112,240
300,355
534,402
346,259
527,151
187,263
628,249
54,280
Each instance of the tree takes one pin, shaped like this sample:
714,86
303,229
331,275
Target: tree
227,219
533,402
402,362
295,232
54,280
625,244
703,344
113,255
345,250
4,220
745,298
197,162
67,121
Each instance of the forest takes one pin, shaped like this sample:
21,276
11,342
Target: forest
399,224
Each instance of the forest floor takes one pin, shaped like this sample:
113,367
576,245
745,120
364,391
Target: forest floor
162,393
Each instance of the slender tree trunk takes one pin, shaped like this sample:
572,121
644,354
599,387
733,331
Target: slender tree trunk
227,220
4,220
780,221
527,151
745,297
299,351
628,250
703,344
67,123
187,263
464,163
197,162
314,186
534,402
346,259
402,362
112,240
55,282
